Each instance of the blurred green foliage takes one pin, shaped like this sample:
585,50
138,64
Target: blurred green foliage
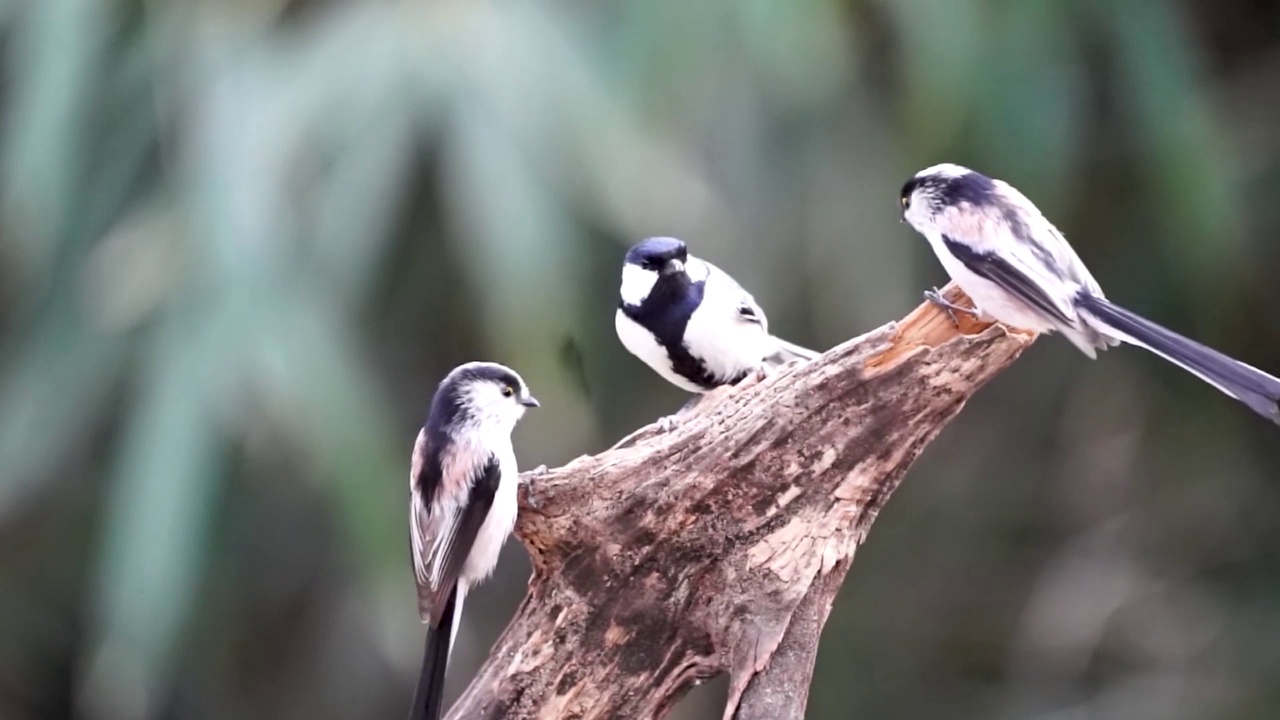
240,242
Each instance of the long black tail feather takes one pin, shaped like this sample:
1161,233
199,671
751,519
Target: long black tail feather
429,695
1258,390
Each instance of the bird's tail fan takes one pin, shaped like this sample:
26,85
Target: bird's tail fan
429,695
1258,390
787,352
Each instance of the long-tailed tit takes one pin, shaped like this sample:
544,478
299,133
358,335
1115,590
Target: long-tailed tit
462,499
691,322
1018,268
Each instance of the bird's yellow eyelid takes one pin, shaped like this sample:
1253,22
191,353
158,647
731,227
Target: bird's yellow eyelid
905,200
507,391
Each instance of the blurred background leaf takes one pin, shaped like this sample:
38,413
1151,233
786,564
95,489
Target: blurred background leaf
241,242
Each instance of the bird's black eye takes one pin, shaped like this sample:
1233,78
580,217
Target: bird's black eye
507,391
906,202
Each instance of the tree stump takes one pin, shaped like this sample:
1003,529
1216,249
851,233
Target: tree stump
717,543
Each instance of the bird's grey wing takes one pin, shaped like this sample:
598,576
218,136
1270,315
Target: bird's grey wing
447,535
751,312
1043,245
424,479
1013,276
721,284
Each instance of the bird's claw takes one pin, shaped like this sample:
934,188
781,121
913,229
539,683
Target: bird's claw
755,376
666,423
533,501
934,295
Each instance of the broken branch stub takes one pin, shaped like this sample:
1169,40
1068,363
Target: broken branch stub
719,546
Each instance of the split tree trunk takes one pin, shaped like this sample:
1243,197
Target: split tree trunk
719,545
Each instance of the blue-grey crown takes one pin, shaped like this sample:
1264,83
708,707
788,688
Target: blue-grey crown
655,252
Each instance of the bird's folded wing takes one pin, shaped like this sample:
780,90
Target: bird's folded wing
1023,278
443,535
721,289
748,310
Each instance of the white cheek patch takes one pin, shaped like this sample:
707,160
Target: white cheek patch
636,283
918,215
479,396
697,270
491,411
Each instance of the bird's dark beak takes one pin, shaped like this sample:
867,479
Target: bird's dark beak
672,267
530,401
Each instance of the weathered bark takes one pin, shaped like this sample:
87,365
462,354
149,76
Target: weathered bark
719,545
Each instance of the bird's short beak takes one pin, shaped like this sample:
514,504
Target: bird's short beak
530,401
673,267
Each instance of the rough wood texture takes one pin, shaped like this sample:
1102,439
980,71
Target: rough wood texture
719,545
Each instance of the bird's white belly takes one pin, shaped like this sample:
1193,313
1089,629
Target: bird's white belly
497,524
640,342
989,297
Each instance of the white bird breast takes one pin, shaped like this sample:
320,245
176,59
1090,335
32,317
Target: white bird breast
497,524
640,342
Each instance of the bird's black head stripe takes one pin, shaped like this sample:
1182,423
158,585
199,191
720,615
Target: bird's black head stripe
909,187
487,371
971,187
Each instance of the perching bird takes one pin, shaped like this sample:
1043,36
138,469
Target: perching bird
462,500
691,322
1018,268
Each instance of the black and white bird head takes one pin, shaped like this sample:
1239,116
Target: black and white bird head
937,189
659,255
646,262
480,397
